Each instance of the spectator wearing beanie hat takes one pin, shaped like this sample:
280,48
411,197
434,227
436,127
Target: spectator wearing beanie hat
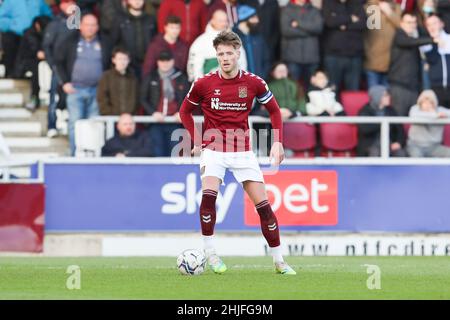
254,44
369,133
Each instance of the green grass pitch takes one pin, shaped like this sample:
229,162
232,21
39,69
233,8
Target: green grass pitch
246,278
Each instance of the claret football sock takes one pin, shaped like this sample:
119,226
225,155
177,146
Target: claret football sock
269,223
208,212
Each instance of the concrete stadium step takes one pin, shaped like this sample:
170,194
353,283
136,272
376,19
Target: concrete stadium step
15,113
31,157
34,142
12,98
9,84
21,129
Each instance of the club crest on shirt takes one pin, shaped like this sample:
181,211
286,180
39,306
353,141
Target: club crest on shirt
242,92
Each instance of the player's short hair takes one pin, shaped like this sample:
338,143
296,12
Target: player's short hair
228,38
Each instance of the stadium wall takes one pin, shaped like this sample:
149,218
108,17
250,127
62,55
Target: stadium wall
149,196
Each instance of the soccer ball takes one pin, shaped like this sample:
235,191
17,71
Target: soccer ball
191,262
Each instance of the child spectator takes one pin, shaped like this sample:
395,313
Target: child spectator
117,90
425,140
369,133
286,92
322,98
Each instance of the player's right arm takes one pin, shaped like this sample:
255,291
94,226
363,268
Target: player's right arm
190,103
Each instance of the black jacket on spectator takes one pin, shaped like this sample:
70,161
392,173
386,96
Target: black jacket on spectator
151,90
405,68
439,66
137,145
87,6
111,11
301,44
443,7
66,55
55,33
135,34
30,44
368,133
337,15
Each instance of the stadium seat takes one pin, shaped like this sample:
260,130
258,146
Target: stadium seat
300,138
446,138
89,138
353,101
338,139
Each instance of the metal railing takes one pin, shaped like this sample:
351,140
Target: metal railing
7,165
384,123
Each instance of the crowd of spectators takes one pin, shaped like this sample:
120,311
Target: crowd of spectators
139,57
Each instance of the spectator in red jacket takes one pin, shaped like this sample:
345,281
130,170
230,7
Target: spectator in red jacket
171,41
193,15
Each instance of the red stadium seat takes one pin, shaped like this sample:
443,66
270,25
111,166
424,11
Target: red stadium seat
338,139
353,101
300,138
446,138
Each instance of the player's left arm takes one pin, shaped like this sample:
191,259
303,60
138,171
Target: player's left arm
265,97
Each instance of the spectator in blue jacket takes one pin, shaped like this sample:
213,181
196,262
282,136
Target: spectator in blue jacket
15,17
256,49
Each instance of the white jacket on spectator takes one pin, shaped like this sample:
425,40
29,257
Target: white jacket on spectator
425,135
202,55
321,101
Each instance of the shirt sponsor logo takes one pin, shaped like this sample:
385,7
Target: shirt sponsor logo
229,106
